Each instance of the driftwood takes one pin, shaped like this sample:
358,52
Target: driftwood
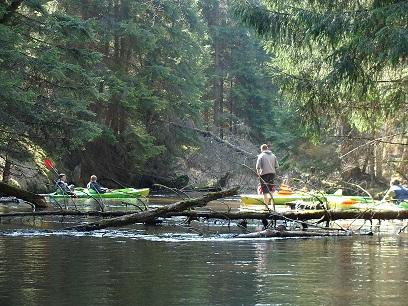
150,215
283,233
37,200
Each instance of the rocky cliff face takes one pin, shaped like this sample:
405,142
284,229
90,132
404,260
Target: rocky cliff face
27,175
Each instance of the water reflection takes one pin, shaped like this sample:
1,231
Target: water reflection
130,267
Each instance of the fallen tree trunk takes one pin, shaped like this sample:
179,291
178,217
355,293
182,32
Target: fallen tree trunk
149,215
37,200
331,215
277,233
321,215
64,212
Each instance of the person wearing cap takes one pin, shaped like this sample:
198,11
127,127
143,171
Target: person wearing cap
62,186
93,184
397,192
266,166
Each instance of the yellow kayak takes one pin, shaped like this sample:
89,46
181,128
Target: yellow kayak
278,199
286,196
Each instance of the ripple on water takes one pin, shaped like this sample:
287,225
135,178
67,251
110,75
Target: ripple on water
141,234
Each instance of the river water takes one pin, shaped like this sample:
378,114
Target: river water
172,264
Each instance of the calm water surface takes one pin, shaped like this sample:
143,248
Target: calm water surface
134,267
200,265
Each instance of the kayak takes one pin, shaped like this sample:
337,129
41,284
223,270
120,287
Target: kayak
334,201
404,204
340,202
84,193
278,199
283,196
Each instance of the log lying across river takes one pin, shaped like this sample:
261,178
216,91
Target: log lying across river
322,215
294,215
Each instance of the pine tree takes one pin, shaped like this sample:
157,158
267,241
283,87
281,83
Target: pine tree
46,79
337,59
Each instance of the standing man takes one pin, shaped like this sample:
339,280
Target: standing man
266,166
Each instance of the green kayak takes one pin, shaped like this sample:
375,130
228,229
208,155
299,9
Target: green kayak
84,193
404,204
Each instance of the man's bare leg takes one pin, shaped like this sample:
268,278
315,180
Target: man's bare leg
266,197
268,200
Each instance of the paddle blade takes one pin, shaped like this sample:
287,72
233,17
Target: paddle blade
48,164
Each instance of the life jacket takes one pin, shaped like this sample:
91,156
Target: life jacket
401,193
285,189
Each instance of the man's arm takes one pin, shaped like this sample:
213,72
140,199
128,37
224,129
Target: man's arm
258,165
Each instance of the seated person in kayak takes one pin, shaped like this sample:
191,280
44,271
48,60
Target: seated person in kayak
397,192
62,186
93,184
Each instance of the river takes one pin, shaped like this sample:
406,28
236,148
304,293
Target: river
172,264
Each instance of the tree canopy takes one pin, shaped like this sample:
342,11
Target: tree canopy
96,83
337,60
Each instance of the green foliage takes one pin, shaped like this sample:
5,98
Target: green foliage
97,82
336,59
151,72
45,81
239,86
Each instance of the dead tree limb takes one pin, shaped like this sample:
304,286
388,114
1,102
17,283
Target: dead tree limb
148,216
37,200
215,137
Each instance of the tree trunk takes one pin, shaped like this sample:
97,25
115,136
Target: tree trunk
37,200
219,71
6,170
231,109
65,212
321,215
379,160
218,85
289,215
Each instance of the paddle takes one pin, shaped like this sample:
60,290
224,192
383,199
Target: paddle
50,165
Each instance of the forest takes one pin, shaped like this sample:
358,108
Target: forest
150,91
